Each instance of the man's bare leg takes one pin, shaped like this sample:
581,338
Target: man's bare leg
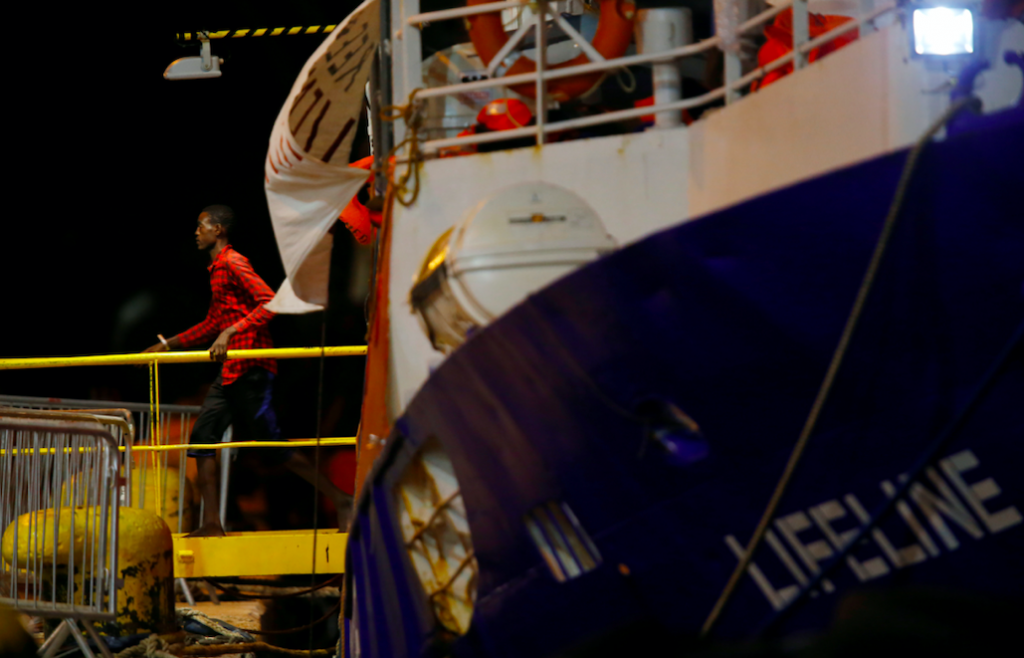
206,480
300,465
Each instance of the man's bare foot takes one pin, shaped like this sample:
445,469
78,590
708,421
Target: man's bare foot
207,530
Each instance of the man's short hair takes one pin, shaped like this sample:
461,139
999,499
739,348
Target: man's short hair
221,214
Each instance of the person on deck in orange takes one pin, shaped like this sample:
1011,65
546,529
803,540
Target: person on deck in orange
498,115
780,42
356,217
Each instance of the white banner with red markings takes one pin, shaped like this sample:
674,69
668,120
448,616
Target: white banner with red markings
308,180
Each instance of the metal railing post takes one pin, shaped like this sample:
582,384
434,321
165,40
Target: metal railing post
395,43
867,8
733,72
541,107
406,39
225,474
659,30
376,125
801,33
182,483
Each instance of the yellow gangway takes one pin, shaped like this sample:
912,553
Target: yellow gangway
239,553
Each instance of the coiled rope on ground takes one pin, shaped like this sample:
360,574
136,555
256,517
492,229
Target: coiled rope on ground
225,641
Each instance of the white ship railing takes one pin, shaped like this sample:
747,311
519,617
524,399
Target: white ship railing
406,23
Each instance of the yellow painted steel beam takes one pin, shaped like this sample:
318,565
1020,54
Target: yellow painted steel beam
294,443
273,553
202,356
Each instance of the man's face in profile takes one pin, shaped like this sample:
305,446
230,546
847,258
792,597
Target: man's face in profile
206,232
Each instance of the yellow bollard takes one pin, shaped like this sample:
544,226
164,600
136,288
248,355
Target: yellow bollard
145,598
148,488
145,602
38,545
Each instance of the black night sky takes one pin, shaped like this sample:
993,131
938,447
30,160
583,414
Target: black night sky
114,180
111,166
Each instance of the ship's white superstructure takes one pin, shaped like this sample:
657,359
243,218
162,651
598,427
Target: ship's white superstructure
867,99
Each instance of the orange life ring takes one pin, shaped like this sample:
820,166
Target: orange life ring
614,32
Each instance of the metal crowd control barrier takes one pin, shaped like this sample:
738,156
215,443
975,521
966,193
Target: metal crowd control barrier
59,514
157,421
171,415
172,419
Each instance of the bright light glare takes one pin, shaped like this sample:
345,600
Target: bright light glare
943,31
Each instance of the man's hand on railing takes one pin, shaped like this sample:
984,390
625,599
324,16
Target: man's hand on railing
164,345
219,350
159,347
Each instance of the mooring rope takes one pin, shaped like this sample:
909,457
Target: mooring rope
867,284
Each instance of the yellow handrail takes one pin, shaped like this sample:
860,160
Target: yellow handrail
294,443
297,443
176,357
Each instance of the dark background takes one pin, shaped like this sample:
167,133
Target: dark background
108,167
102,256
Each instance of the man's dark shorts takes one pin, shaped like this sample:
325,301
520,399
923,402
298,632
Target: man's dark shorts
246,403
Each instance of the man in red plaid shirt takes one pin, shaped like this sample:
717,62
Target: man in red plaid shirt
242,393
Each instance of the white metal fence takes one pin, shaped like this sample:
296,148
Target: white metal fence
59,514
144,428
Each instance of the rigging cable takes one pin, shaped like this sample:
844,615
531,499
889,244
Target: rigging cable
866,286
316,471
234,591
928,457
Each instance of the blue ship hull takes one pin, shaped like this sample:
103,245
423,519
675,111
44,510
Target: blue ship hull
734,318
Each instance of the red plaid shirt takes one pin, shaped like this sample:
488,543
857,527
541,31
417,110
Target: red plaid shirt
239,295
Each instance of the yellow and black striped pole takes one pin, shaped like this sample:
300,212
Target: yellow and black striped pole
258,32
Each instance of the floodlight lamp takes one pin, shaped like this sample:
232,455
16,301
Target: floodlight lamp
943,31
195,68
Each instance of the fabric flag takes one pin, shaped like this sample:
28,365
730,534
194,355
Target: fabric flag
308,180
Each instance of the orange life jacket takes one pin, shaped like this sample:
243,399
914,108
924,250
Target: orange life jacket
780,42
356,217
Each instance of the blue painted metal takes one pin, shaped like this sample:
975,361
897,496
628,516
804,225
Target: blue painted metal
733,318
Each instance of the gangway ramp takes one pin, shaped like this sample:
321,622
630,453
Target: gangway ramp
239,554
263,553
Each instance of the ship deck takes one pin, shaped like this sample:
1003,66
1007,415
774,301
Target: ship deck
267,553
